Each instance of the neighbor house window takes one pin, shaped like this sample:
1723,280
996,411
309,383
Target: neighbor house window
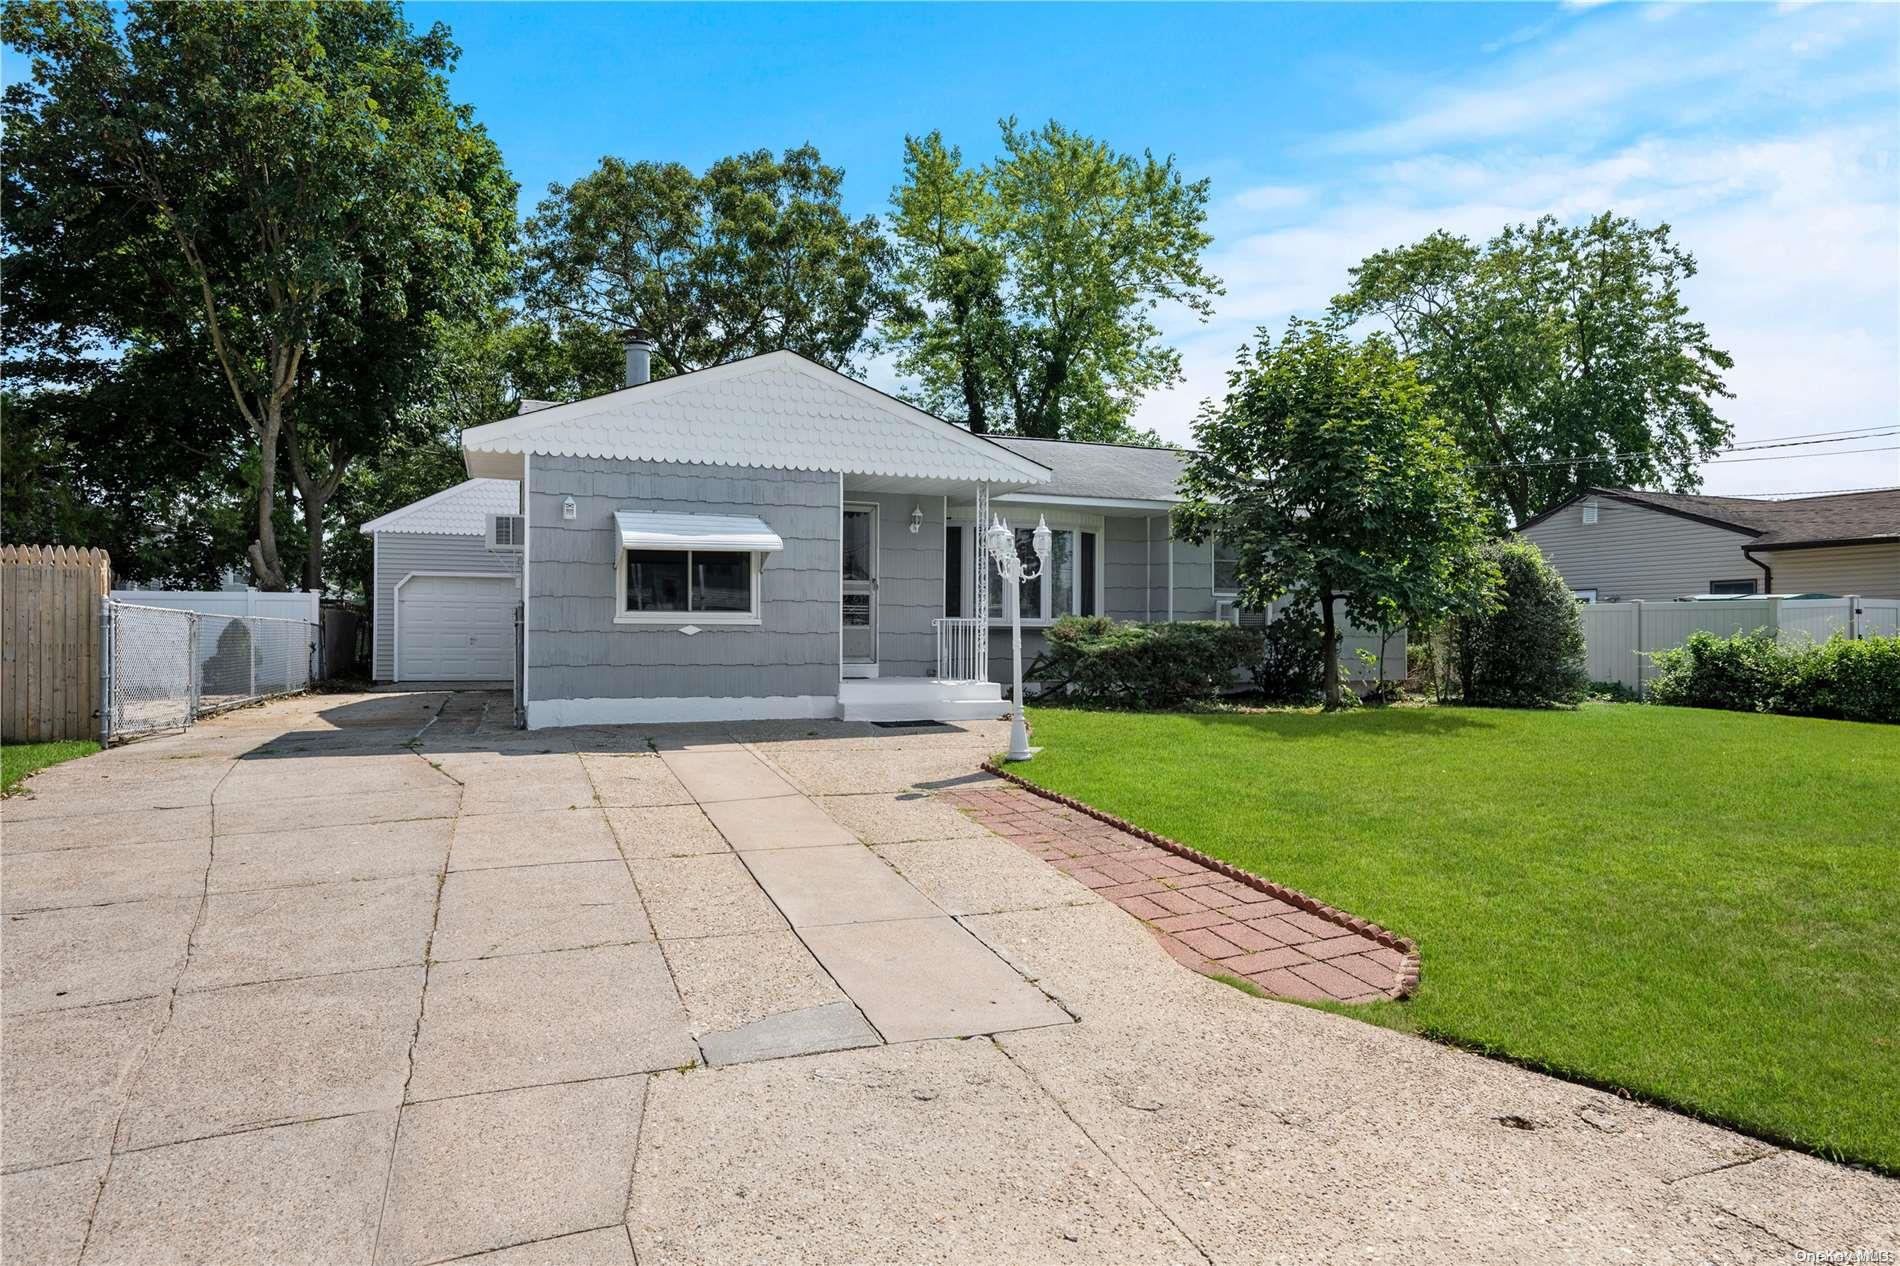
1732,586
681,586
1585,596
1067,584
1226,568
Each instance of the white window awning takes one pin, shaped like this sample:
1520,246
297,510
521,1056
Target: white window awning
654,530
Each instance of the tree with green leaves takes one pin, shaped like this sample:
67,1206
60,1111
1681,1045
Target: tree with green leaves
1031,283
756,255
1563,356
1325,469
286,185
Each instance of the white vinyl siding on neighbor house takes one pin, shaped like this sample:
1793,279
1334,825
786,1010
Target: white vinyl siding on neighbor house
1869,571
400,554
1632,552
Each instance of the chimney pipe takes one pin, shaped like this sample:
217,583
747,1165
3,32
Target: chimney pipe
639,346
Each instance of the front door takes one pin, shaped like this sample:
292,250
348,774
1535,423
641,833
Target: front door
859,565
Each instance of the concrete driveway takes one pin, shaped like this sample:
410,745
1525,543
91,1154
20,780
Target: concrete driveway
375,978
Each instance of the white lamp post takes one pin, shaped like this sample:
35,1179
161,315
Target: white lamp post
1010,564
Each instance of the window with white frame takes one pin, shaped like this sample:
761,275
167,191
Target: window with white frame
1067,583
1226,568
687,586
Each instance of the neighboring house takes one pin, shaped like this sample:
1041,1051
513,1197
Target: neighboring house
443,602
1616,544
769,538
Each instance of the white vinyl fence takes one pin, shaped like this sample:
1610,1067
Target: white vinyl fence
165,667
1620,636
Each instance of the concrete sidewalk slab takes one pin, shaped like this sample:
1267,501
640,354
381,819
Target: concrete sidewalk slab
711,895
485,1171
633,780
814,887
836,1026
304,1195
779,822
674,830
893,817
727,982
930,1152
94,876
925,978
44,1213
316,930
530,839
531,909
82,956
725,774
232,1059
328,811
538,1019
982,875
103,830
607,1246
331,854
65,1075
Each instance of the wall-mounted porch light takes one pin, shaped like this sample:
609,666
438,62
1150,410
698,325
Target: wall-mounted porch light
916,520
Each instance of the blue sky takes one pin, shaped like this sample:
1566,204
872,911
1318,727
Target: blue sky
1769,136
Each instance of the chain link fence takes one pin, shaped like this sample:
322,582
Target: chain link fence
165,668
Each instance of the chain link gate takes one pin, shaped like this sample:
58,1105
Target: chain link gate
164,667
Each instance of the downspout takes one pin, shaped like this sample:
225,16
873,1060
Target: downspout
1767,572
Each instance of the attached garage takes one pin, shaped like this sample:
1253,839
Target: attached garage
443,602
454,628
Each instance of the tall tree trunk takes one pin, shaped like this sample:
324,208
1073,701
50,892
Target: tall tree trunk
973,407
315,490
265,564
1329,635
313,547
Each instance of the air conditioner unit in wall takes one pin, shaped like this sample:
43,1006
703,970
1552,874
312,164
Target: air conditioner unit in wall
507,532
1230,611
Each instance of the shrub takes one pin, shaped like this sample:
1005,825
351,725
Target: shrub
1742,673
1752,672
1292,664
1527,649
1094,659
1857,681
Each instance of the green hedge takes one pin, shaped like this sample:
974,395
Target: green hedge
1752,672
1093,659
1527,650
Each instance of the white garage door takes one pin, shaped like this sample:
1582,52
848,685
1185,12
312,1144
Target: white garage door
455,628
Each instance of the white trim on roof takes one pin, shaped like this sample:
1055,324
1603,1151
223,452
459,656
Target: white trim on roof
462,510
656,530
776,411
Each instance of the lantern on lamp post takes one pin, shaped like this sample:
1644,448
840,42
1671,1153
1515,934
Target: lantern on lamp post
1002,540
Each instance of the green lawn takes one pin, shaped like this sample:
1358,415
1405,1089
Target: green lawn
1698,906
17,760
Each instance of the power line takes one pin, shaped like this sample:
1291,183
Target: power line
1846,433
1617,457
1788,457
1809,492
1838,439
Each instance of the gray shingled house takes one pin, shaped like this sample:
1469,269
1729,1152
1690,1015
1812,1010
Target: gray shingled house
767,538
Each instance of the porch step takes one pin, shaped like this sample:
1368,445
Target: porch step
919,699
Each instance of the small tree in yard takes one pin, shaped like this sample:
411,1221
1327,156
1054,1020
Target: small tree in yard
1525,648
1325,470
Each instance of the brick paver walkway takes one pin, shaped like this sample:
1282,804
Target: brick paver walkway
1207,920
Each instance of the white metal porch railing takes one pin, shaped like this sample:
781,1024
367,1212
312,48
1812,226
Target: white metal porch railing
963,650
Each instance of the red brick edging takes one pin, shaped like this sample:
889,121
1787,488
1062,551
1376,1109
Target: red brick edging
1408,972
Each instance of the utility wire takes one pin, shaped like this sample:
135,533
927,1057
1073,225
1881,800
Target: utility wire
1616,457
1809,492
1788,457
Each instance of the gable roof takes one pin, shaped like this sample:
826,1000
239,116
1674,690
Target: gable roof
1104,472
1795,522
459,511
778,411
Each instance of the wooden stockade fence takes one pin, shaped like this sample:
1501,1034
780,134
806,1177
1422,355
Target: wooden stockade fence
50,605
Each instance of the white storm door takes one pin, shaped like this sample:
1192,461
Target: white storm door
859,591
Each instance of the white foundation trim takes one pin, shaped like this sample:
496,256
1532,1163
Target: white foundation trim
543,713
